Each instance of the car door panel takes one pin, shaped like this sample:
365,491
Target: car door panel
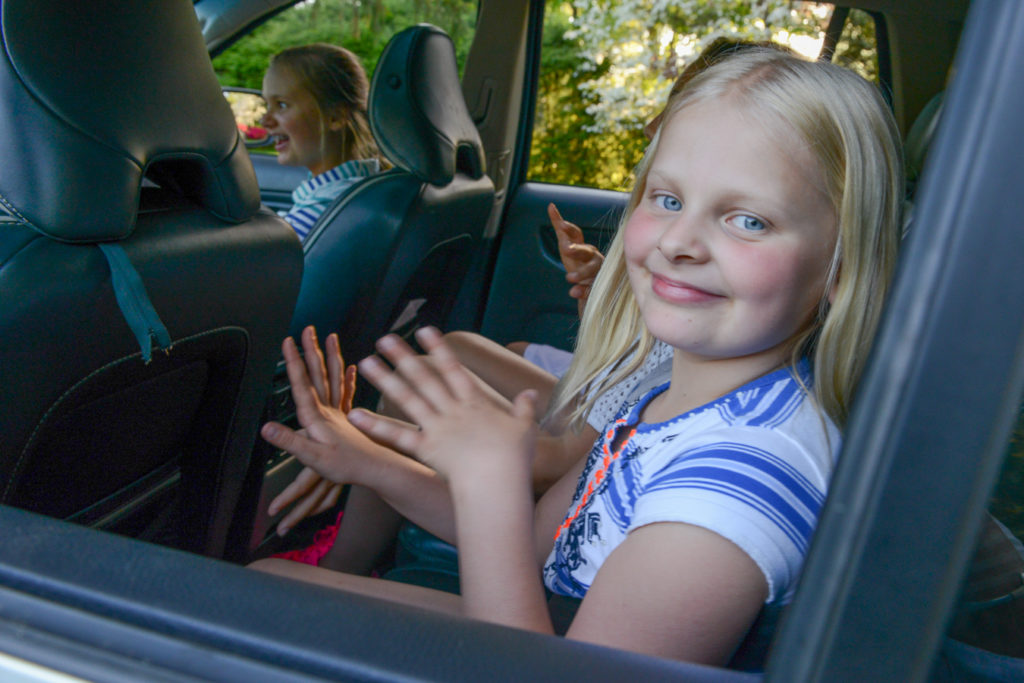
529,299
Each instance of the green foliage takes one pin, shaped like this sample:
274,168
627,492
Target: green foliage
362,27
857,47
563,149
608,65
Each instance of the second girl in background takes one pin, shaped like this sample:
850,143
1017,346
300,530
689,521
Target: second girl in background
317,113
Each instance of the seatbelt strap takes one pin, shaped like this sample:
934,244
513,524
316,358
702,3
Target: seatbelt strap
135,305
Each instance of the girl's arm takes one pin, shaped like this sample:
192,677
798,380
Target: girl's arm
331,446
673,590
346,457
484,451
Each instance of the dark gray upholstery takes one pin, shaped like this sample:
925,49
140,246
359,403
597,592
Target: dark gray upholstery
401,241
124,92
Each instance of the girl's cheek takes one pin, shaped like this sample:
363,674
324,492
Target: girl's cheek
638,238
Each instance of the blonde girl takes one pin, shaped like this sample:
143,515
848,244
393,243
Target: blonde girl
758,243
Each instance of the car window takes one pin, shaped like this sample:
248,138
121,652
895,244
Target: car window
857,47
605,72
363,28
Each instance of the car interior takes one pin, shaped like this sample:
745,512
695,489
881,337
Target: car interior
147,283
151,235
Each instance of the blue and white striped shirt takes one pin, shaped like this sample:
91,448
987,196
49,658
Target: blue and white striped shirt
314,195
752,466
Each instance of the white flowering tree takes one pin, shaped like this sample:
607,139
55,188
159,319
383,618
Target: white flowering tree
625,55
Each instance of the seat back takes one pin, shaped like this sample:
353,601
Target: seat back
392,252
133,222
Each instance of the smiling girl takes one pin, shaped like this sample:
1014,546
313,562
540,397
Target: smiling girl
759,243
316,112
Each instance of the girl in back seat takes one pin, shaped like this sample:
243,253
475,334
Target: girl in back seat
316,112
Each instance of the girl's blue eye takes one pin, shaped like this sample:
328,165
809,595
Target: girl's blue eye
750,223
668,202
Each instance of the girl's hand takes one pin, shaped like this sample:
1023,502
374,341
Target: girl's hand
462,433
311,495
328,444
335,386
582,261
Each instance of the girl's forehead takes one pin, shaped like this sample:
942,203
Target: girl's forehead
723,144
280,80
724,119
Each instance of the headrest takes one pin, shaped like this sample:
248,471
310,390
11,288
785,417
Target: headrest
97,94
417,110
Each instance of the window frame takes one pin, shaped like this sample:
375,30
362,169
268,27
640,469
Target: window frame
911,487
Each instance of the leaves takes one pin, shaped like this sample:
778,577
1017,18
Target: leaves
606,65
362,26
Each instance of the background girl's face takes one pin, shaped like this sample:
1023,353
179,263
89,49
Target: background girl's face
301,135
729,247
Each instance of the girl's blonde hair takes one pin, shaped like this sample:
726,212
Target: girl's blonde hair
336,79
849,130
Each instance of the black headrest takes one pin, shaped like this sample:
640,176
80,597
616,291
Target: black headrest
417,111
93,95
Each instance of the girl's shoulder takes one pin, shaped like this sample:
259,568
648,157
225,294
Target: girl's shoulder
778,409
766,401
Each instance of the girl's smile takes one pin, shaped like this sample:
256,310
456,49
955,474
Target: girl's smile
730,229
674,291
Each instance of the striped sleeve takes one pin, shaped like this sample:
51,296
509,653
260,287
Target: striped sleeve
765,498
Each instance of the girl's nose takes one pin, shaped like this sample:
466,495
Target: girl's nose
267,119
684,239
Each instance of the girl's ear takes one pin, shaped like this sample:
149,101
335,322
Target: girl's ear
337,119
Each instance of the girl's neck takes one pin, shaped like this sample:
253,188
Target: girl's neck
696,382
337,151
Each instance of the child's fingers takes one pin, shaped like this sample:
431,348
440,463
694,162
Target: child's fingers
396,389
312,454
306,480
300,510
555,216
453,372
349,391
419,374
567,232
323,497
588,264
336,373
307,400
315,364
401,436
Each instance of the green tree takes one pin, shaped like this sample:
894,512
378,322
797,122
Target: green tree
363,26
612,64
857,47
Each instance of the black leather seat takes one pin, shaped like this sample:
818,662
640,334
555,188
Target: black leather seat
145,293
392,252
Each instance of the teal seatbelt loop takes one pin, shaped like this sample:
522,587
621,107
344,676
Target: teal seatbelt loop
135,305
